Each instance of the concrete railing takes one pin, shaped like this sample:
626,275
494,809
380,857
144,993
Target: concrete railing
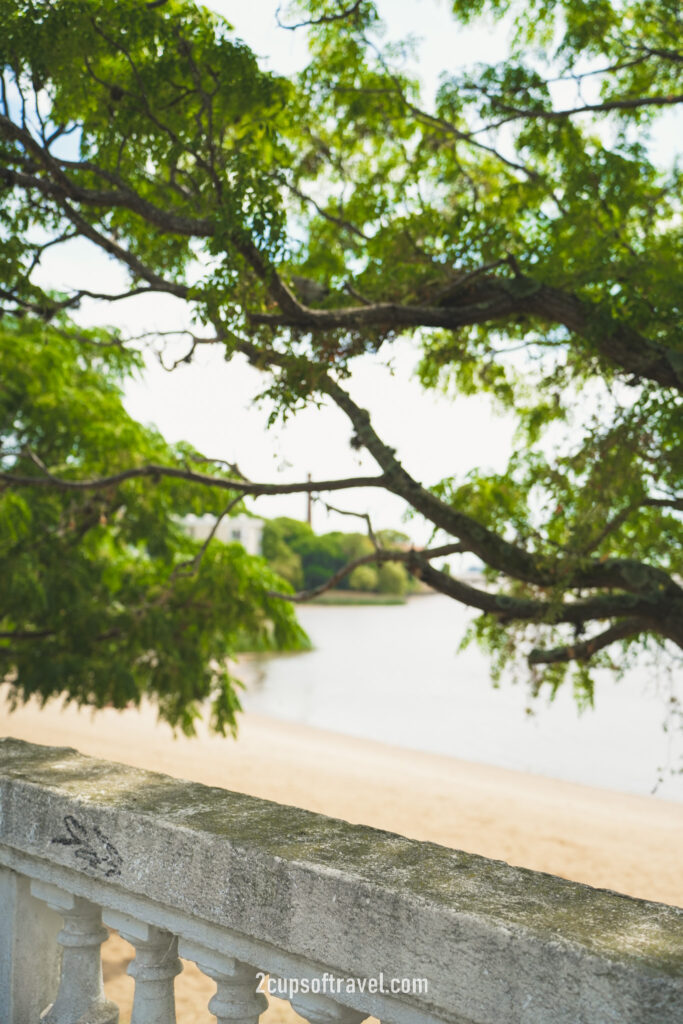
361,922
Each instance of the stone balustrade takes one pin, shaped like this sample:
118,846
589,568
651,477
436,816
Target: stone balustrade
351,921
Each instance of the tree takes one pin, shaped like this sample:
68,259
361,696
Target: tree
392,579
278,548
105,598
317,562
364,577
518,228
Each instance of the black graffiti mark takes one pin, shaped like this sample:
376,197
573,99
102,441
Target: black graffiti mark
96,849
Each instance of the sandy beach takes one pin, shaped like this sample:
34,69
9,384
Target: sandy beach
607,839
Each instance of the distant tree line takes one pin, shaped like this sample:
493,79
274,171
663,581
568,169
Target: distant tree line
306,559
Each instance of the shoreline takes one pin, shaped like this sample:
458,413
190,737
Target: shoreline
251,667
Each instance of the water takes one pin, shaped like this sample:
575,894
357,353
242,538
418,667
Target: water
394,674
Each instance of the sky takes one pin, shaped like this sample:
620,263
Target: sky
211,403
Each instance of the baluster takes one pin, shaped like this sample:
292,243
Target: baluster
81,994
30,956
237,1000
317,1009
154,968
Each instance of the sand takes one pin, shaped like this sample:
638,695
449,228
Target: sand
632,844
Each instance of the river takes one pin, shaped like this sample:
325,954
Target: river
393,673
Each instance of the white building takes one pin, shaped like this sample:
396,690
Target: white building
240,529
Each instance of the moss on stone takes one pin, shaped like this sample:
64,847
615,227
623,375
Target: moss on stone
606,923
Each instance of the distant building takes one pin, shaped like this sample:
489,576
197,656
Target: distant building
241,529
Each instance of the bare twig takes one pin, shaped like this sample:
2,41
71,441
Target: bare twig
341,222
324,19
358,515
191,566
348,287
232,466
85,293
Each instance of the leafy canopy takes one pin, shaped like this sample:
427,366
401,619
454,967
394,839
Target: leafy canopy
518,227
105,597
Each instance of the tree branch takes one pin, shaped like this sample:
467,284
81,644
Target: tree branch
59,186
508,608
379,555
627,103
340,222
190,567
585,649
434,121
108,245
490,299
64,192
484,300
676,503
356,515
156,473
325,19
85,293
508,558
27,634
504,607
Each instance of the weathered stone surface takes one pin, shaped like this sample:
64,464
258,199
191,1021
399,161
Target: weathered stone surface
496,943
30,956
